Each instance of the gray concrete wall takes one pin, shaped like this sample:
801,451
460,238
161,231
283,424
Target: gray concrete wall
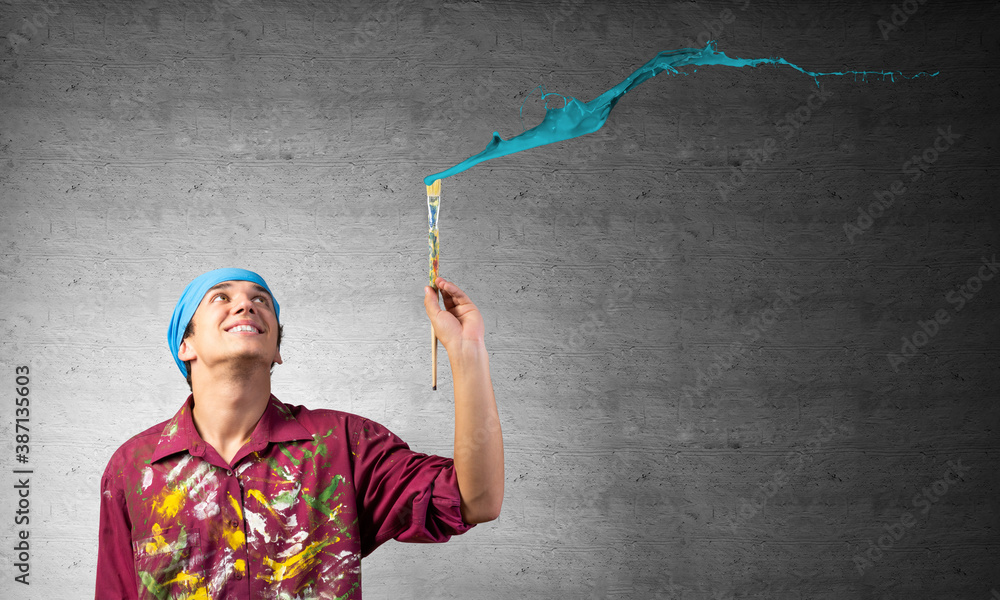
692,358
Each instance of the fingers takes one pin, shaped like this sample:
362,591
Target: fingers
451,292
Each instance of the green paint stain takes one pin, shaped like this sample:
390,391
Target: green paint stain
274,465
323,500
320,450
287,498
350,592
345,528
285,411
161,592
155,589
306,454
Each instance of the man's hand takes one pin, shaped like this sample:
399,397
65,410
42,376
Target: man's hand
460,322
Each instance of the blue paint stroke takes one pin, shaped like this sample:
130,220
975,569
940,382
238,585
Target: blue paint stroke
577,118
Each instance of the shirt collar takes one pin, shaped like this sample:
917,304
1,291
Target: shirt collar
277,424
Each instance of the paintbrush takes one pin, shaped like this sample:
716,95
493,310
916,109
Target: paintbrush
433,203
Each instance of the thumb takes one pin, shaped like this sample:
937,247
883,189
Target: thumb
431,302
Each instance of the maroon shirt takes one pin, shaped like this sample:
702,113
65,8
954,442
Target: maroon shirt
306,497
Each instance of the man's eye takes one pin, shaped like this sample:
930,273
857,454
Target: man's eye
261,298
217,296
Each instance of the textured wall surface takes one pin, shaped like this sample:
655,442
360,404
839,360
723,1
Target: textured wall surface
743,339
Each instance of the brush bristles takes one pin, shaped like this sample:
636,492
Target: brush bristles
434,189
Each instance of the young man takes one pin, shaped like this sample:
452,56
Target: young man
241,496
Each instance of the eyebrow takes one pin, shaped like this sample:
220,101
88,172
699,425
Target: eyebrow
225,286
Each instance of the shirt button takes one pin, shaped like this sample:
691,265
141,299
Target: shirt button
230,473
239,576
234,524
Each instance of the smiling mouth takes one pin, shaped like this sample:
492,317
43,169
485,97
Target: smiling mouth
244,329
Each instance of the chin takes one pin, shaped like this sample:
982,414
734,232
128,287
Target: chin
248,363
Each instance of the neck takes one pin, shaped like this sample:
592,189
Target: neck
227,407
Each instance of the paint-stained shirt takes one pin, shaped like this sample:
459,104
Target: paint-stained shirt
308,495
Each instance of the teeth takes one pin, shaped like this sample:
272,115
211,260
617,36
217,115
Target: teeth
249,328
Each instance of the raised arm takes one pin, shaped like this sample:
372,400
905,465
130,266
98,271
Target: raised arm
478,441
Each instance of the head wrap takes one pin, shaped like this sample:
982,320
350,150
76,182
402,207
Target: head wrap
192,297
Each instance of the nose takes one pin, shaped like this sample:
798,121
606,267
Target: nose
244,304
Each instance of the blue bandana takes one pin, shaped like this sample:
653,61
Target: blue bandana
192,297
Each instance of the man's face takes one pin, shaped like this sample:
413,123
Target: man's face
235,323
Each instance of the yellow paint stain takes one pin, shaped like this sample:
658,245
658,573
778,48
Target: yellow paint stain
158,544
259,496
190,580
236,507
294,565
199,594
186,579
170,502
241,566
236,538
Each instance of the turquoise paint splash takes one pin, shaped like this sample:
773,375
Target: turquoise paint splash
577,118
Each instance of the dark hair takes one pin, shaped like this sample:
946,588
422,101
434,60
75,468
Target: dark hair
189,331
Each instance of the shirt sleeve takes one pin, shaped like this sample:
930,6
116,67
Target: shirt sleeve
402,494
115,566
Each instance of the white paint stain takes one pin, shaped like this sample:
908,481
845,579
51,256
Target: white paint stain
284,504
288,474
202,477
222,572
179,468
255,523
299,537
209,507
290,551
